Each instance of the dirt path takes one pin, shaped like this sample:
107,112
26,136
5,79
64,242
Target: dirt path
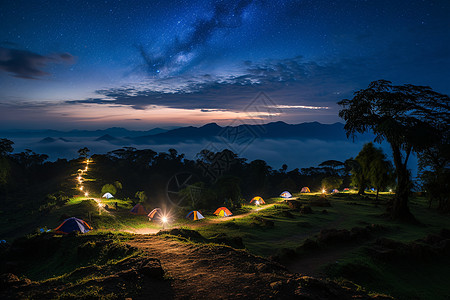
201,272
308,265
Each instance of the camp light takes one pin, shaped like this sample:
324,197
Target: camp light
81,188
164,220
257,202
86,194
323,191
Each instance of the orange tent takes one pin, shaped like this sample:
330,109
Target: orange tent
257,200
156,213
223,212
305,189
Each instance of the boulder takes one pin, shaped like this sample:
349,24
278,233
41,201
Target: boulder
151,268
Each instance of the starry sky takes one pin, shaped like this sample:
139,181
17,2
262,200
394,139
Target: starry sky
143,64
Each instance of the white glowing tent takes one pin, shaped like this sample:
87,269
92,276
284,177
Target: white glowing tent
107,196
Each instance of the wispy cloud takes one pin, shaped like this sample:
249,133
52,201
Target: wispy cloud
29,65
291,83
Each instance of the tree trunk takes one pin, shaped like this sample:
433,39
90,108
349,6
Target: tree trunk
361,190
362,187
399,209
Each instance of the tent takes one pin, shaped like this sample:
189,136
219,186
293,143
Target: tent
107,196
73,224
335,191
223,212
155,214
346,189
285,194
138,209
257,200
305,189
194,215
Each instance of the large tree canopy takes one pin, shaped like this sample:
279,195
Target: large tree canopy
410,118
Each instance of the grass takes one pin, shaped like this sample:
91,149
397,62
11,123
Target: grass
43,257
401,279
270,230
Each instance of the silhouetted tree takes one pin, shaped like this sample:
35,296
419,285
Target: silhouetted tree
362,167
381,172
333,165
109,188
408,117
434,171
6,147
332,182
83,152
141,196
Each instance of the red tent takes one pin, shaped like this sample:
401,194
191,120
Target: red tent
138,209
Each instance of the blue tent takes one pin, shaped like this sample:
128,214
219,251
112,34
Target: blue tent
285,194
73,224
194,215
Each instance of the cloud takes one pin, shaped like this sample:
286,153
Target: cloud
290,83
294,153
182,53
29,65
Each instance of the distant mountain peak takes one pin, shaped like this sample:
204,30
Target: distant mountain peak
47,140
211,125
106,137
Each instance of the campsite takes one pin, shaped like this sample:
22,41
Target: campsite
103,243
225,149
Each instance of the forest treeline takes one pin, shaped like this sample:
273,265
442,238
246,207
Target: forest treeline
412,119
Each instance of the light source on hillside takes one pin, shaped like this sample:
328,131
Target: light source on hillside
81,188
323,191
164,221
86,194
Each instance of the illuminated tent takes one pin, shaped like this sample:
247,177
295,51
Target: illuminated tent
108,196
155,214
305,189
346,189
335,191
194,215
257,200
73,224
285,194
138,209
223,212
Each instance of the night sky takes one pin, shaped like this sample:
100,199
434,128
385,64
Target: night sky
142,64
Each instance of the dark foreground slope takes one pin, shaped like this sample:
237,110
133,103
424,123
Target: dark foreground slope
157,267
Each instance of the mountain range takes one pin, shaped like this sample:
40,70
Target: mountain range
274,130
210,131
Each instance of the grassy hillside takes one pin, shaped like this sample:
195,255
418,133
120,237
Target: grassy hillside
344,237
